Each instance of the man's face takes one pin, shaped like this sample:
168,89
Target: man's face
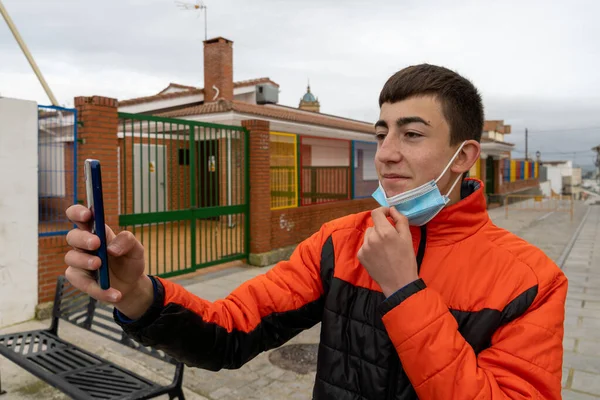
413,145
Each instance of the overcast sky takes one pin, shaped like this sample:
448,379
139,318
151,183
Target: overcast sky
536,63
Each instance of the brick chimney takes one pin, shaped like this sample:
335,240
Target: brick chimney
218,69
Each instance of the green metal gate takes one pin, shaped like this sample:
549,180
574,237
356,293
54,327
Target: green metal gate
184,191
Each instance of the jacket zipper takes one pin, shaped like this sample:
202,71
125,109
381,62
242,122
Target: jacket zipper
396,360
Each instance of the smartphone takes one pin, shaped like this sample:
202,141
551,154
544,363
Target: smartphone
95,202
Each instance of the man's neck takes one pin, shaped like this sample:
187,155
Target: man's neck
455,196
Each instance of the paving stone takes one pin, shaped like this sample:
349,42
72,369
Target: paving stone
591,348
595,305
583,362
588,322
575,303
569,344
220,393
571,395
582,312
586,382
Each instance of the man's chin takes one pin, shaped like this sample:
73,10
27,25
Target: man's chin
396,189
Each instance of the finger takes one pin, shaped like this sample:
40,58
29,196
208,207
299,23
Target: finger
110,235
400,220
80,216
81,260
379,215
84,240
125,243
84,281
368,232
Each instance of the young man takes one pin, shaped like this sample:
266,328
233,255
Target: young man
425,299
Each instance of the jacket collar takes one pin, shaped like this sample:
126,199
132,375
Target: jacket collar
460,220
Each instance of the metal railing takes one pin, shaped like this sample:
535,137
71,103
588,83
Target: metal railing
558,203
325,184
57,168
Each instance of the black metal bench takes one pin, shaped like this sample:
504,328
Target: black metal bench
79,373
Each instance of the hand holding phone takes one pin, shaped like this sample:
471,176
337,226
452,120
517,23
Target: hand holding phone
95,202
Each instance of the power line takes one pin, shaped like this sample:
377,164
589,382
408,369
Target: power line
566,130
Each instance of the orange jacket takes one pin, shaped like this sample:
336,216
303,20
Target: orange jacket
484,322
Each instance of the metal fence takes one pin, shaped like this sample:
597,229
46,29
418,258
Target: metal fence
283,170
529,203
325,184
57,168
306,170
183,191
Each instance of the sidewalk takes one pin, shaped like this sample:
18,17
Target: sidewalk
581,372
260,379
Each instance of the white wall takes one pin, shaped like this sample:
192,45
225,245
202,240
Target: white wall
554,175
546,187
18,210
329,156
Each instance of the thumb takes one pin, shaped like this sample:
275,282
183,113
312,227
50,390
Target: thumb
400,221
125,244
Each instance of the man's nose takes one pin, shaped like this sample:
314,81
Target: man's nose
389,151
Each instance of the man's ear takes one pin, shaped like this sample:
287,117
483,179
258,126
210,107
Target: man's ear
467,157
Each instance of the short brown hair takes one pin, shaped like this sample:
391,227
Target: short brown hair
461,102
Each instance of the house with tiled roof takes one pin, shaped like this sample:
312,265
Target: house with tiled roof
223,100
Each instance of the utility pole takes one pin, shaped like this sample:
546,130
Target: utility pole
597,163
28,55
526,145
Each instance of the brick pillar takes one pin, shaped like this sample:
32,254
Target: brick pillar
98,133
260,191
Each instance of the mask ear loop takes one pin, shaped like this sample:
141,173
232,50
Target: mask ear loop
453,186
446,169
449,164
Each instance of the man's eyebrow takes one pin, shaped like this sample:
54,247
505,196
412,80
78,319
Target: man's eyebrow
400,122
381,123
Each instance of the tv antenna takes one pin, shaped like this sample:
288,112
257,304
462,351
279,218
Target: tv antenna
198,5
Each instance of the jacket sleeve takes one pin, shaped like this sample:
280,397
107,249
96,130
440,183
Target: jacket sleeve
261,314
524,360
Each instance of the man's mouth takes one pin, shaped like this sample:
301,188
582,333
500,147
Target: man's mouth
395,177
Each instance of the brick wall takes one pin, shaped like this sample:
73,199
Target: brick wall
51,260
291,226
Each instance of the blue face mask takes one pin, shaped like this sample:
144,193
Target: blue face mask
422,204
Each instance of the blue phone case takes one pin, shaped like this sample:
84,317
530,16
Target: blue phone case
100,229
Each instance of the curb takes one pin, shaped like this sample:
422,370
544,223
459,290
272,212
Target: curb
565,254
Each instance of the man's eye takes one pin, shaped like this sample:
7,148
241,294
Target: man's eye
380,136
413,134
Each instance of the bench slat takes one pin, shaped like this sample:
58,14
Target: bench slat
76,305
